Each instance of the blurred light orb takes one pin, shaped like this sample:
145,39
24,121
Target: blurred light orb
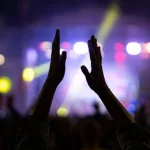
28,74
32,56
66,45
5,85
133,48
119,46
147,47
120,57
45,45
80,48
2,59
62,112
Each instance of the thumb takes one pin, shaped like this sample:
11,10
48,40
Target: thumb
86,73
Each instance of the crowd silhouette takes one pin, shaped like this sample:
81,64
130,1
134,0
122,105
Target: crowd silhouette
39,131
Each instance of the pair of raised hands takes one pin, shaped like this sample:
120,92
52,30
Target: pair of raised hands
95,78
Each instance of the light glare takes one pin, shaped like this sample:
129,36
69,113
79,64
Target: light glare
133,48
80,48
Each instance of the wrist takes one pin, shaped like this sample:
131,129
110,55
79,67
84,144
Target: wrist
51,84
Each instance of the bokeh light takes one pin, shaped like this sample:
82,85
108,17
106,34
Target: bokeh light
5,85
62,112
133,48
28,74
66,45
80,48
31,56
119,47
2,59
147,47
120,57
45,45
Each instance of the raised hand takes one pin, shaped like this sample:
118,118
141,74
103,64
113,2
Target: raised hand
57,65
95,79
55,76
97,83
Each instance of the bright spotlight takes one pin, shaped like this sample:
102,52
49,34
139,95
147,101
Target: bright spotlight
28,74
62,112
2,59
80,48
133,48
5,85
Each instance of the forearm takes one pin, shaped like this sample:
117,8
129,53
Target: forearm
44,100
115,108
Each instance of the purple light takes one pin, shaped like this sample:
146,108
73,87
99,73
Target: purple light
31,56
133,48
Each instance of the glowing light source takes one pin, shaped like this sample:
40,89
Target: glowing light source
45,45
80,48
28,74
120,57
66,45
133,48
147,47
31,56
5,85
119,47
2,59
62,112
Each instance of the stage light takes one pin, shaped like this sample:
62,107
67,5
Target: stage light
5,85
45,45
120,57
66,45
31,56
133,48
147,47
62,112
80,48
119,47
2,59
28,74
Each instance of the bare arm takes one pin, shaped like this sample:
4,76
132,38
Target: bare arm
97,83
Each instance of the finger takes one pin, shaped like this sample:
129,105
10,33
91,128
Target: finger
94,44
57,43
86,73
99,55
92,54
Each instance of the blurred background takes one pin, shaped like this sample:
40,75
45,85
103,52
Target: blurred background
122,27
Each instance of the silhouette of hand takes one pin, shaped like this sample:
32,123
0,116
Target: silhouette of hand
57,65
95,79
